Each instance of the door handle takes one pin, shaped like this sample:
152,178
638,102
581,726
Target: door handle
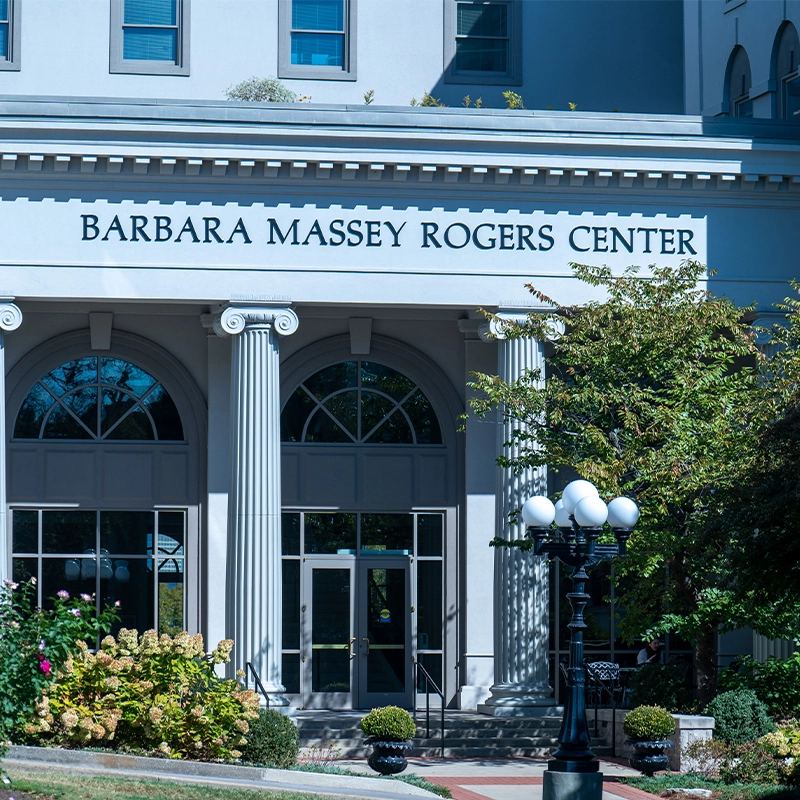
365,639
352,654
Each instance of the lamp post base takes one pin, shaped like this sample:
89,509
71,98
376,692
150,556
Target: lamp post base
572,785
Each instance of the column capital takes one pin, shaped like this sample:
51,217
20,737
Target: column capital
235,319
10,315
495,328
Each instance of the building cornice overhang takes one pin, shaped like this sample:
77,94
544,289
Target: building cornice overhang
267,142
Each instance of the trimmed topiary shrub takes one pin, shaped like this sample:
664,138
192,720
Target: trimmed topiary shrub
739,716
272,739
659,685
389,724
649,723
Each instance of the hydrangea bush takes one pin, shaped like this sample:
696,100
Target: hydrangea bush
158,694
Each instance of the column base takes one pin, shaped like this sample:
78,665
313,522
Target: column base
572,786
514,700
470,697
521,710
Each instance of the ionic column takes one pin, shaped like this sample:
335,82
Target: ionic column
521,635
10,320
254,502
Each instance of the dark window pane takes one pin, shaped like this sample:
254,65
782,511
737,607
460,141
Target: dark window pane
318,49
792,98
330,533
170,596
68,531
62,425
374,408
429,605
132,584
149,44
393,532
482,19
29,419
290,672
171,533
83,404
321,428
165,414
294,416
25,531
291,604
115,405
74,575
4,40
395,430
71,375
481,55
125,375
433,665
150,12
126,532
290,534
429,534
423,418
4,10
23,569
318,15
330,379
135,426
385,379
344,407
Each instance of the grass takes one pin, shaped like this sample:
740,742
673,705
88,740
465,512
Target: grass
78,787
722,791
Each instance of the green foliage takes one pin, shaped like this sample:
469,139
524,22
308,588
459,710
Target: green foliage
261,90
775,681
467,100
573,106
659,685
739,716
428,100
513,100
704,756
649,723
157,694
369,97
390,724
272,739
36,645
721,791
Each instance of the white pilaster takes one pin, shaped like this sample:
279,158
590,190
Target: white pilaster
10,320
254,501
521,636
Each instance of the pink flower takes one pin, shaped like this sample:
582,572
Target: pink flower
75,611
45,667
63,594
86,598
117,603
41,645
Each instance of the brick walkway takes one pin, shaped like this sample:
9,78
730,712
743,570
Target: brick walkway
457,786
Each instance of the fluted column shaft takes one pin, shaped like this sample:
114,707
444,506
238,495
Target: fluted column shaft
10,320
521,596
254,504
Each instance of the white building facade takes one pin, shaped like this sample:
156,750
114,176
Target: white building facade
238,337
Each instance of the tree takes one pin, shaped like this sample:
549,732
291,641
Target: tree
654,393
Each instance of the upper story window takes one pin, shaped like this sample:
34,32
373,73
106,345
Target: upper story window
150,37
99,398
739,83
359,402
316,39
482,41
787,74
9,34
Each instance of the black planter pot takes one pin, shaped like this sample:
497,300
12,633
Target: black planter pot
648,755
388,758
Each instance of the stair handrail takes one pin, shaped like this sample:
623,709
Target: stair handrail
429,682
248,667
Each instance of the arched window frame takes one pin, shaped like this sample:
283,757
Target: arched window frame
786,72
738,82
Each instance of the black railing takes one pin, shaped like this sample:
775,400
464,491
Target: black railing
429,683
248,667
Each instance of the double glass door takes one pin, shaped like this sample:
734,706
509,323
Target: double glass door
356,632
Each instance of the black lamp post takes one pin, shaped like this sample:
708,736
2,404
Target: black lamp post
580,516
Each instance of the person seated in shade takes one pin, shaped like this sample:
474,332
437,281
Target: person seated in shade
651,653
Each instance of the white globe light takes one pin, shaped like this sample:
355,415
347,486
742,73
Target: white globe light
575,492
538,512
562,516
622,513
591,512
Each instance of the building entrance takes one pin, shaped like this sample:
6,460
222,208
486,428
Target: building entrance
356,632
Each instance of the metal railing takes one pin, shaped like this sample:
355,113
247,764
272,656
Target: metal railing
248,667
429,683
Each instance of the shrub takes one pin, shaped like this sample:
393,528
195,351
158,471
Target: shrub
704,756
659,685
261,90
157,694
775,681
750,762
739,716
390,723
272,739
649,723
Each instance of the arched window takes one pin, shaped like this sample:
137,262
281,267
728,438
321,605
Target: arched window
739,83
787,75
359,402
99,398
